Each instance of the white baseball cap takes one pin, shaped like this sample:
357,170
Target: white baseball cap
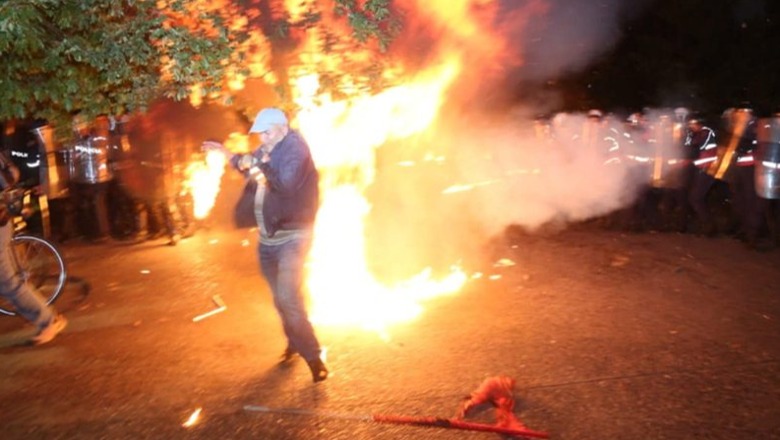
266,118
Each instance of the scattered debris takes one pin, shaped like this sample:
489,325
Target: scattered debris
221,307
619,261
504,262
193,419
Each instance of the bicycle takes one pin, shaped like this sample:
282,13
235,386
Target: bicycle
37,260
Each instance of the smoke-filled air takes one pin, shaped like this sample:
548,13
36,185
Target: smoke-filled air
476,168
417,177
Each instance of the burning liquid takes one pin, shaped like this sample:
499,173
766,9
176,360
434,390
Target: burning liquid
343,291
203,180
343,136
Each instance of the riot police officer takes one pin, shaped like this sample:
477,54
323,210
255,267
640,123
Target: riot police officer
701,144
636,146
90,175
741,176
767,167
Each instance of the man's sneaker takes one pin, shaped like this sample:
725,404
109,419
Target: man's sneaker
288,356
51,331
318,370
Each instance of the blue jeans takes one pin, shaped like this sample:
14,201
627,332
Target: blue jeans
282,266
21,295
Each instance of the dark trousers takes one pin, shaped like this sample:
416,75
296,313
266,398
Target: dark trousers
62,215
91,209
675,208
747,208
122,210
771,210
161,217
700,189
642,214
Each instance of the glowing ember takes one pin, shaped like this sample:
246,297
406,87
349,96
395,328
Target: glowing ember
463,188
193,419
504,262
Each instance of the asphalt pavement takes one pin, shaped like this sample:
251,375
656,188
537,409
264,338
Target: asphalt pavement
608,336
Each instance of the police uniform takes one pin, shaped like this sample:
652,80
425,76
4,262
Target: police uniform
701,144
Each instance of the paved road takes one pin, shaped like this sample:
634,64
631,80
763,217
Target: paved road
608,336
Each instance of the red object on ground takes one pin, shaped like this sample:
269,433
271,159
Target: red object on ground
457,424
497,391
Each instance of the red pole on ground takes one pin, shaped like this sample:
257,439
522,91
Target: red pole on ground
431,422
456,424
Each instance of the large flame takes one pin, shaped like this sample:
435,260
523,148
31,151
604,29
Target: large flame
202,180
344,133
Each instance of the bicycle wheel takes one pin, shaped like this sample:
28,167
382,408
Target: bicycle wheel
40,265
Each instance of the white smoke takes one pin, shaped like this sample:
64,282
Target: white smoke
571,182
517,177
484,168
568,36
524,180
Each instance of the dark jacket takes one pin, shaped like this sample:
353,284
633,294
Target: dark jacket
292,185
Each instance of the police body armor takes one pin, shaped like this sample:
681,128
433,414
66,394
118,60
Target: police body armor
737,122
55,166
637,147
669,161
768,158
89,160
25,155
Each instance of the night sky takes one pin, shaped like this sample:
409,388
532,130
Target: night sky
624,55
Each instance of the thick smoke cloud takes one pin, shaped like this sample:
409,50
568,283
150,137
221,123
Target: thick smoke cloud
569,36
497,171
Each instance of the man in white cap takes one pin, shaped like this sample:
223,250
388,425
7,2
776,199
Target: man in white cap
286,203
